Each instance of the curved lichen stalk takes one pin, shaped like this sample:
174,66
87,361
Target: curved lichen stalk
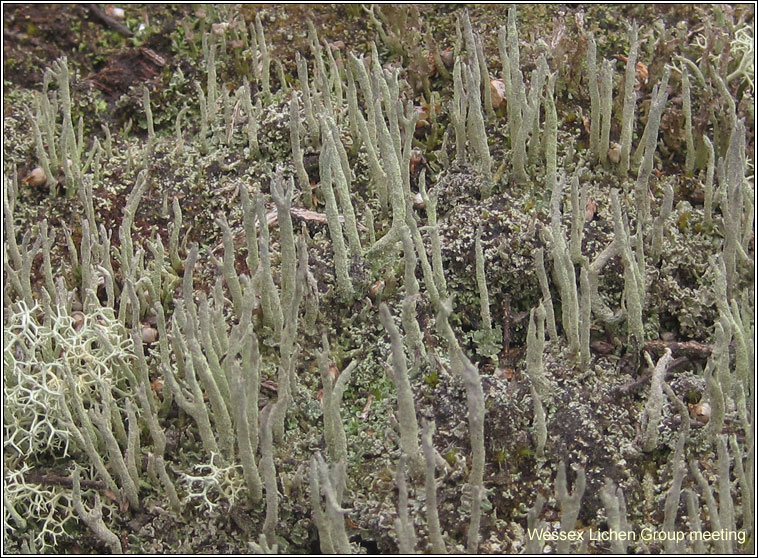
406,408
475,402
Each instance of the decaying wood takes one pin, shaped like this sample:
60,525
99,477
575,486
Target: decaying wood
691,349
58,480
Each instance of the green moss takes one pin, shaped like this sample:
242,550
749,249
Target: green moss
451,456
523,452
501,456
693,397
684,222
432,379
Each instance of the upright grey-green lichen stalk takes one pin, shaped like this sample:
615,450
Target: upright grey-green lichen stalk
406,407
627,118
334,431
432,513
652,413
569,502
634,276
475,403
535,345
341,265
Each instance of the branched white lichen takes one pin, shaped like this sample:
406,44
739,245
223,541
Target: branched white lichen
37,355
212,484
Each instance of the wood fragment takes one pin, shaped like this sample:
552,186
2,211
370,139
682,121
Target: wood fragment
108,21
691,349
638,383
58,480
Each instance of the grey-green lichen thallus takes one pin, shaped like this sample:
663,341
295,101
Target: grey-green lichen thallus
413,278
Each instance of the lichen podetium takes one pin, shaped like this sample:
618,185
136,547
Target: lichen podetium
363,302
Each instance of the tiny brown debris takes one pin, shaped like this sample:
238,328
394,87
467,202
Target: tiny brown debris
589,210
110,18
641,73
418,201
376,290
601,347
507,373
586,122
424,112
700,412
334,372
78,318
367,406
269,385
304,215
271,217
149,335
108,493
418,161
36,178
157,387
448,57
36,477
154,56
497,86
114,11
309,215
614,153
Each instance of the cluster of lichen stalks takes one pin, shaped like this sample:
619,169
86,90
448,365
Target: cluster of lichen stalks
78,381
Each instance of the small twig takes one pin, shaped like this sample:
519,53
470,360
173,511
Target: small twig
57,480
296,212
507,323
636,384
108,21
690,349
